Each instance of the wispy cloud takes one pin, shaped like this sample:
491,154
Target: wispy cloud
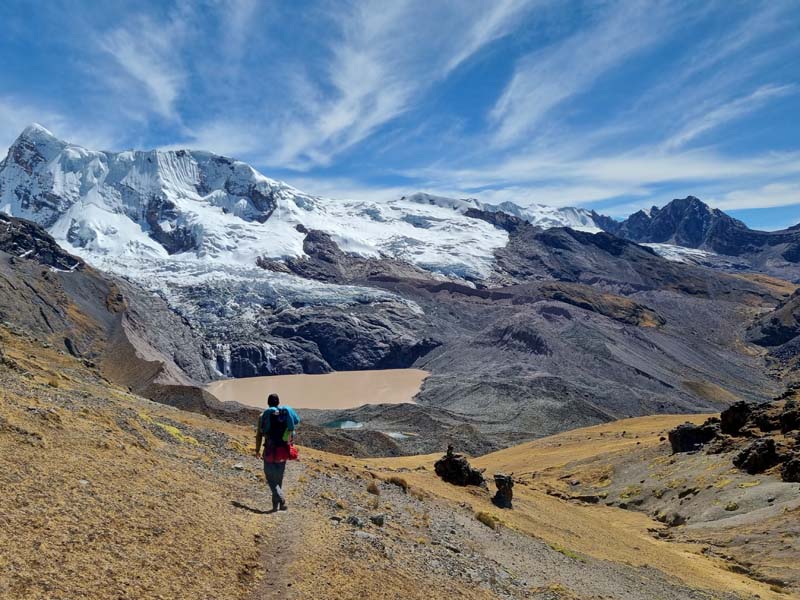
147,53
547,78
729,111
239,23
766,196
387,57
600,103
221,136
17,113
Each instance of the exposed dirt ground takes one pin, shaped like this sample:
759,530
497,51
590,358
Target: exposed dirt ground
106,495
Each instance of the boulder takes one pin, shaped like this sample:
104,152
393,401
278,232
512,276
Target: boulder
355,521
790,417
766,417
671,519
790,471
455,469
735,417
688,437
505,490
757,457
379,520
721,445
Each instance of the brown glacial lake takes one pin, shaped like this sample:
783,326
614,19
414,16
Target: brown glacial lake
344,389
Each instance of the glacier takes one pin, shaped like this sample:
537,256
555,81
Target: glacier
181,220
540,215
124,209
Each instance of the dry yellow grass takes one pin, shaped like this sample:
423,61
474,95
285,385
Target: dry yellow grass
86,513
488,519
775,285
399,482
710,391
598,531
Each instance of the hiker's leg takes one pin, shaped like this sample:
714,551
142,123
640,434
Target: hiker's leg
272,481
279,473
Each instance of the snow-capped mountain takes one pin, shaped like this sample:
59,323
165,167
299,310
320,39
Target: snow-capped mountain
122,210
170,218
540,215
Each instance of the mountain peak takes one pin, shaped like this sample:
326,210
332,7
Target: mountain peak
34,144
34,129
689,201
37,134
541,215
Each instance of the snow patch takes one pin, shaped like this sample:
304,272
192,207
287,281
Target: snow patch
680,253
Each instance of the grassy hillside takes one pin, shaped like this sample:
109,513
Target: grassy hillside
108,495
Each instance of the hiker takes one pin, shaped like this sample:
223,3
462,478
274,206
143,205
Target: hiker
276,428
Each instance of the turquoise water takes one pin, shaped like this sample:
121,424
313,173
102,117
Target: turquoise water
344,424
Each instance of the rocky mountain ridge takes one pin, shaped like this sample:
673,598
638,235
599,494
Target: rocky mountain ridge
690,223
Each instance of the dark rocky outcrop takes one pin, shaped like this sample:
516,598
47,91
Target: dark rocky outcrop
779,326
689,437
325,261
26,240
281,356
685,222
504,496
761,436
733,418
790,471
499,219
757,457
692,223
177,238
790,417
455,468
375,340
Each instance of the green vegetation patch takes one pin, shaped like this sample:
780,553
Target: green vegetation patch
488,519
567,552
172,431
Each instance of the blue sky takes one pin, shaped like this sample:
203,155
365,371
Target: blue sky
609,105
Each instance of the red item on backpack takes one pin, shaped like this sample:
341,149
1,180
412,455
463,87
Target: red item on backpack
278,453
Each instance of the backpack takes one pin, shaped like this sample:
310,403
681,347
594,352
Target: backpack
278,422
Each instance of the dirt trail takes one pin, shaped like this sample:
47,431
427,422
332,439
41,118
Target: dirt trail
280,544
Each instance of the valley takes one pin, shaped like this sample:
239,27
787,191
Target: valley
529,320
163,502
149,302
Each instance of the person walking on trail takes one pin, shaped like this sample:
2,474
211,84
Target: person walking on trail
276,429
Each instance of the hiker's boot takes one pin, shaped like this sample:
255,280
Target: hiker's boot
283,506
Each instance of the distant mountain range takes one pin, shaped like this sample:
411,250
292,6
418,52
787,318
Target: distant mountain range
212,210
531,319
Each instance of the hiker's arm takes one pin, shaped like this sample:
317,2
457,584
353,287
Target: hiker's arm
259,437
